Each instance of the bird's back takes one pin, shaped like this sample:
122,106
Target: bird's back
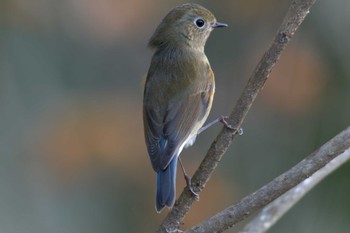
177,99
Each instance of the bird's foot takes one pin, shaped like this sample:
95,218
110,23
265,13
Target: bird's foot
190,187
229,126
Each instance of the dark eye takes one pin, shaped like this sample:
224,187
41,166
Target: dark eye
199,23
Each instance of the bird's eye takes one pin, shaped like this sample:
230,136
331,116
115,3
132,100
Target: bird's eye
199,23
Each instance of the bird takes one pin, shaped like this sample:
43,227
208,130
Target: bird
178,93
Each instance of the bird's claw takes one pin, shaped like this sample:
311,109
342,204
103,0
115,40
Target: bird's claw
190,188
227,125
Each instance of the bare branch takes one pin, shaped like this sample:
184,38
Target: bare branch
255,201
276,209
294,17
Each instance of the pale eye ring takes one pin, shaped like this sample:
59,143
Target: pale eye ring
199,22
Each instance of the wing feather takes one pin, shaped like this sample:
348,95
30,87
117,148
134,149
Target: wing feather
165,135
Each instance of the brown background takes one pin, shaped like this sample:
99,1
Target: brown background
72,154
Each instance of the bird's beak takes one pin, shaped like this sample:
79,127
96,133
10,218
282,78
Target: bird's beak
219,25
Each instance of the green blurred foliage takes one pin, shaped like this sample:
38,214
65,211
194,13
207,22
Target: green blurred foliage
72,155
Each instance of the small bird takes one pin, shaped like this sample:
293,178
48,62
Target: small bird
178,92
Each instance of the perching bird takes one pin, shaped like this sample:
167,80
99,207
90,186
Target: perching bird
178,93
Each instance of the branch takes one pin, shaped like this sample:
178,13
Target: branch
294,17
255,201
276,209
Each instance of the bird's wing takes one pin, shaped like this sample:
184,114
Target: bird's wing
166,131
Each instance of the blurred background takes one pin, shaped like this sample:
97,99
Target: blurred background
72,153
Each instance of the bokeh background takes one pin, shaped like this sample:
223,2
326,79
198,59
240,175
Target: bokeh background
72,153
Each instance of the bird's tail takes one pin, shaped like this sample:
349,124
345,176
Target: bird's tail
166,190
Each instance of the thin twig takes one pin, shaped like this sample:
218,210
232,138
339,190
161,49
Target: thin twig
255,201
294,17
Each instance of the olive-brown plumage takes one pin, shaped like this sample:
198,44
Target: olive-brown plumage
178,93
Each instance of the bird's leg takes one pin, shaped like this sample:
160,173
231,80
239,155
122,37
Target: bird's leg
188,179
221,119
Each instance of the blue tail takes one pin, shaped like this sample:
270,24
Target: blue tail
166,190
